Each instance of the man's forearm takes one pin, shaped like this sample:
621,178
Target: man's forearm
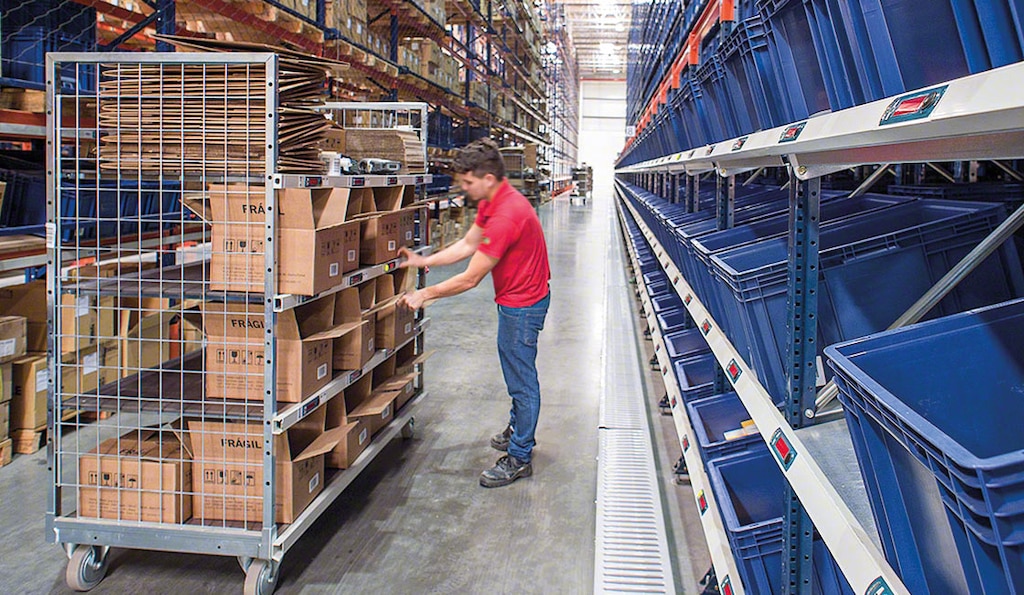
458,284
457,252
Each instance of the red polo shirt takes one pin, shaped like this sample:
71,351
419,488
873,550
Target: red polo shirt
513,235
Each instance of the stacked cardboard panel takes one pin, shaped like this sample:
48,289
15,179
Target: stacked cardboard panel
395,144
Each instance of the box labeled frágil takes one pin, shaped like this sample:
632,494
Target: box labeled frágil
228,466
138,477
235,350
13,333
315,247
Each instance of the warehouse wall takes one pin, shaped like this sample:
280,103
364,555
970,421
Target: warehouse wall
602,127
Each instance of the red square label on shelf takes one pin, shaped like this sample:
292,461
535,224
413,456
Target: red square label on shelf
702,502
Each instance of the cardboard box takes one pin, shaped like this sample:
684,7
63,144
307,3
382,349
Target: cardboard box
395,324
379,242
316,245
353,350
146,340
31,378
375,407
29,300
228,465
353,438
143,476
234,350
407,228
353,435
91,367
5,420
13,334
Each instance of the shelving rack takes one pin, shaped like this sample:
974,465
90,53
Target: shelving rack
165,387
972,118
496,45
563,99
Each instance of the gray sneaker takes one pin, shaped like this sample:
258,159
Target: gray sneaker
500,440
505,471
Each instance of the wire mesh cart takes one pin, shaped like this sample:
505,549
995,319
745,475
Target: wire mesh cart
244,334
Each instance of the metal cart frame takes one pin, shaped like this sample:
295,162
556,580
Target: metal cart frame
261,546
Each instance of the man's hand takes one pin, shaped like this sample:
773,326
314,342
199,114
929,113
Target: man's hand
411,259
412,301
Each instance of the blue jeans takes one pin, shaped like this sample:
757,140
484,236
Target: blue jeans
518,329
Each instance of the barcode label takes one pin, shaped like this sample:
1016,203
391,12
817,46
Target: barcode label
351,255
90,363
408,236
363,436
408,328
335,269
51,234
321,371
386,413
7,347
42,380
370,344
392,245
81,306
314,483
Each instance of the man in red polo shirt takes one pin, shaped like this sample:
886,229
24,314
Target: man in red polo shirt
506,241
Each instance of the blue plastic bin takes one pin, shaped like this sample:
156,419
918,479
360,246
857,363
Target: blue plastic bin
748,489
672,321
872,268
666,303
24,57
686,344
985,191
794,58
934,412
753,86
696,376
711,418
705,246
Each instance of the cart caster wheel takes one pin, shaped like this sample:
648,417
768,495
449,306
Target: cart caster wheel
86,568
409,430
260,578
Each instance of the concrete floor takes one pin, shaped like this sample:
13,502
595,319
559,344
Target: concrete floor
417,521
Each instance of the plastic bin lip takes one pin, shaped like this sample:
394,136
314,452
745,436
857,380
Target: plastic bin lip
841,357
725,505
956,209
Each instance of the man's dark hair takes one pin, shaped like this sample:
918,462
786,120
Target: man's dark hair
480,157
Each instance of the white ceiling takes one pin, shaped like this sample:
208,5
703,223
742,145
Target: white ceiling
600,31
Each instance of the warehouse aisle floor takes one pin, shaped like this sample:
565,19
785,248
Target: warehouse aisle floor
417,521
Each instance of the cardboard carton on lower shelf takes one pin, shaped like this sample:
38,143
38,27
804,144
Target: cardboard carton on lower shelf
13,333
138,477
145,340
31,378
235,350
91,367
375,407
78,316
5,420
395,324
355,349
353,435
228,463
